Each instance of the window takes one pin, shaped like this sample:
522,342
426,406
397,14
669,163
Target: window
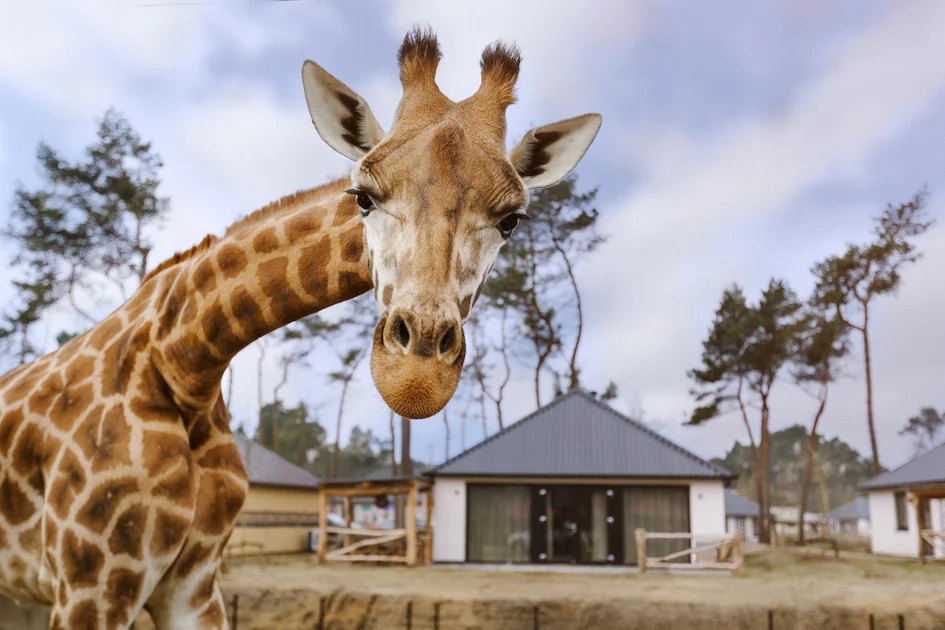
902,524
498,523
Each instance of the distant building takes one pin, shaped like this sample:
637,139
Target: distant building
281,507
569,484
378,512
741,515
906,500
851,518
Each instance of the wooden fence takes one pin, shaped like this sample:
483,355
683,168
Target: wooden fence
377,545
727,550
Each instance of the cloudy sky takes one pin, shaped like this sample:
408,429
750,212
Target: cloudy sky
739,142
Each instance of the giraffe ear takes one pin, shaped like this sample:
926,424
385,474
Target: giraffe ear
547,154
342,118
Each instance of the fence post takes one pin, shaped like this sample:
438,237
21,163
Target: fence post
409,615
236,610
535,617
321,613
436,616
902,622
770,620
640,535
872,622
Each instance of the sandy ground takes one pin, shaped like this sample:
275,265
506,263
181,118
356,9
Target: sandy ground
804,589
800,590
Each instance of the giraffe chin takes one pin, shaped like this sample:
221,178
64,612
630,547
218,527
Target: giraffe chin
413,387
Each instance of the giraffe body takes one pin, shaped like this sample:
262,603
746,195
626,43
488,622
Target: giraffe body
120,482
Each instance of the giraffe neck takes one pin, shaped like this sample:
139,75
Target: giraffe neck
296,258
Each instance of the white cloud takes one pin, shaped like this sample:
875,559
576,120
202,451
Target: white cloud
565,46
678,238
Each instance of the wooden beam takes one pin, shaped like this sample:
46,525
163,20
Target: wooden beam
366,492
369,559
428,549
412,526
347,512
363,543
365,532
322,526
641,535
920,525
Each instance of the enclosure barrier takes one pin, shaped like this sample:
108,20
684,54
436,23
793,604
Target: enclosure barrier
530,617
727,548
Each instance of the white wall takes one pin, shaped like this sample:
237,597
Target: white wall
449,520
884,536
707,507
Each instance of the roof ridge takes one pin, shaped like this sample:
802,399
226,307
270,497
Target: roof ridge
251,444
657,436
498,434
869,484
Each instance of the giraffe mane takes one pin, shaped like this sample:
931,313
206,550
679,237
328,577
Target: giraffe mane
288,201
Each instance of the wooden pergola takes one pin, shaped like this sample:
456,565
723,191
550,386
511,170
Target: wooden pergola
377,545
919,496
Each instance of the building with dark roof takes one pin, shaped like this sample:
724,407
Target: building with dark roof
570,483
851,518
906,502
741,515
281,507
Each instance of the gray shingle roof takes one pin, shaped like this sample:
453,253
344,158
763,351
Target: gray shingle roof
265,468
577,436
737,505
857,508
926,469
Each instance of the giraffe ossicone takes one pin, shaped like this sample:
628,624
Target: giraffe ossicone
120,481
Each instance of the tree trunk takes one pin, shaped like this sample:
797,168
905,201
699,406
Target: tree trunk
393,445
406,470
341,408
869,391
764,533
809,466
446,425
573,380
274,416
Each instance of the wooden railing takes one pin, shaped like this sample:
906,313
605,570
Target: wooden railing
934,538
727,547
376,545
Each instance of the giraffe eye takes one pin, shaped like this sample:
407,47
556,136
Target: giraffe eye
364,202
509,223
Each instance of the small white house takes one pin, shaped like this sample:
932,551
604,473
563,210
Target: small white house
570,484
905,501
851,518
741,515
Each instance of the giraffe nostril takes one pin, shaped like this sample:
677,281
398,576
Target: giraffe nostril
448,341
401,332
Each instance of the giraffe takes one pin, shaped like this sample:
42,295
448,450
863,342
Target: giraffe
120,482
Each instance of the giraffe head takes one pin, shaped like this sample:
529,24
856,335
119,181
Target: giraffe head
439,195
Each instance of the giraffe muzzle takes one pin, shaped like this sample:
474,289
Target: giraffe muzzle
416,362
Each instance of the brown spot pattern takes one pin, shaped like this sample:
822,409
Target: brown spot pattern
80,369
301,227
102,503
126,537
266,241
169,533
231,260
123,590
273,280
105,441
192,557
67,483
313,268
84,616
70,406
42,398
219,501
204,279
15,506
203,592
82,561
9,423
387,295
